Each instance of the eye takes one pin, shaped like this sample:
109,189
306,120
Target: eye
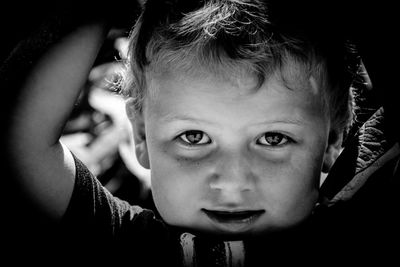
273,139
195,138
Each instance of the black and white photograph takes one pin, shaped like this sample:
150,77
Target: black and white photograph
200,133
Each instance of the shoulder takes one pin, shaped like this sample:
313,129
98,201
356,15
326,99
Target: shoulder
94,207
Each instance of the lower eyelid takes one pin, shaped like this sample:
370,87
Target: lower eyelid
188,144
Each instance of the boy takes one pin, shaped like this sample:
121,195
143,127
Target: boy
234,111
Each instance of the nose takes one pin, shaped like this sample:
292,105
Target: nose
233,177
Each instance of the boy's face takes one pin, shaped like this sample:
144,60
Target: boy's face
227,158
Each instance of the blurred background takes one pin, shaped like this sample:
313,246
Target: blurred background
98,131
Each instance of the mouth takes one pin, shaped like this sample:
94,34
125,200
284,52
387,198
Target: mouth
233,221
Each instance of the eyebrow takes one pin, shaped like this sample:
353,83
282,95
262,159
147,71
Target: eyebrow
284,120
170,118
295,121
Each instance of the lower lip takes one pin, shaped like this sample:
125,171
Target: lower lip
233,221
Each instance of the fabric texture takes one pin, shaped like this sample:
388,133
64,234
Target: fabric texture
105,226
356,219
369,151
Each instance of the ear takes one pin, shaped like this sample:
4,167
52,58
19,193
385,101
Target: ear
332,150
139,133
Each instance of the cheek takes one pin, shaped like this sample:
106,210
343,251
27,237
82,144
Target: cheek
290,187
177,187
307,176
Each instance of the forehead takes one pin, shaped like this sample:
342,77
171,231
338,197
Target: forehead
208,94
291,72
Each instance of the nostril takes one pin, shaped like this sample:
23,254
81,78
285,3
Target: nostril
230,187
232,183
232,173
225,184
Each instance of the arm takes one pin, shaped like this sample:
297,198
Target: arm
43,167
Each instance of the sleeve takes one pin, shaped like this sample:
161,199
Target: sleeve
94,211
100,224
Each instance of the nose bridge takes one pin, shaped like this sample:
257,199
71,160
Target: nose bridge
233,171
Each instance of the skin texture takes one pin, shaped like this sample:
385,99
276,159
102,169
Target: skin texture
229,158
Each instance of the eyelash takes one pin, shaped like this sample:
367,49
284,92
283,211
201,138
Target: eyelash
281,137
184,138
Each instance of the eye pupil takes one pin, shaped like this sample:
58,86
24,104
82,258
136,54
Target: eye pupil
273,138
194,136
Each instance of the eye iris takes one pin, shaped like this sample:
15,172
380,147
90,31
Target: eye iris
194,137
273,139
